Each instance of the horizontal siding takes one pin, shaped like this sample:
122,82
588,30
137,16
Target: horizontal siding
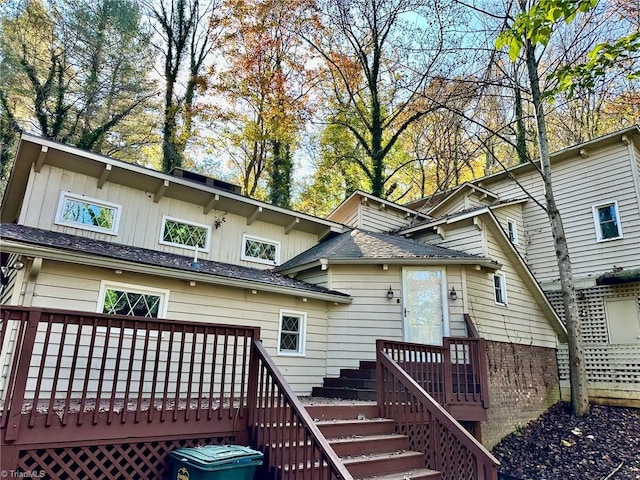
141,220
76,288
513,212
381,220
353,329
580,183
522,320
462,236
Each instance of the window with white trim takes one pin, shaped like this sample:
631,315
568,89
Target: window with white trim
500,288
606,219
181,233
291,332
512,230
132,300
260,250
88,213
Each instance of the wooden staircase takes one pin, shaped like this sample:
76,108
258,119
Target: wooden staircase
367,445
352,384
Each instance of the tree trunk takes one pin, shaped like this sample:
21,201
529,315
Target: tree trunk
577,369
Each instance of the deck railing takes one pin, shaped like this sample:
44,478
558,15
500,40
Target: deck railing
83,377
455,374
448,447
280,426
107,397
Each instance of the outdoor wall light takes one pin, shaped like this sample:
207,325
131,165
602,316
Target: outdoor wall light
390,293
4,273
453,295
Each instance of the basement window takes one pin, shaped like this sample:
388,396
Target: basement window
291,333
606,219
88,213
260,250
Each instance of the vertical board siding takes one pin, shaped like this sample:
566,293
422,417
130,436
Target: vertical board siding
579,183
141,218
75,287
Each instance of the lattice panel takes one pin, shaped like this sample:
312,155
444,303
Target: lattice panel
419,440
456,461
606,363
140,461
591,304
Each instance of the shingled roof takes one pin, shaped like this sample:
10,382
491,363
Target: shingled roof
143,256
365,245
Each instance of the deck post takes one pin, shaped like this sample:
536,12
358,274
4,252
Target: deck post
17,391
379,377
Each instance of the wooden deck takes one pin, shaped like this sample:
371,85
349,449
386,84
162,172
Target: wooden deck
108,397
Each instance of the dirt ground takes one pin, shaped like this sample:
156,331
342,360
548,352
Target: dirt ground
602,446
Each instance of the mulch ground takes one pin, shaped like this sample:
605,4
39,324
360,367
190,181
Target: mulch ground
602,446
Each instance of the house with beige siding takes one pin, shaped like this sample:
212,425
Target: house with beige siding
597,190
83,232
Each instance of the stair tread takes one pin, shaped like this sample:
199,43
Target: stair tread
356,421
370,457
356,438
406,475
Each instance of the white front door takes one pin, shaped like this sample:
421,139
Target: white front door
425,307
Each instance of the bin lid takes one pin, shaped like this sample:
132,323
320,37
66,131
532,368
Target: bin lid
217,455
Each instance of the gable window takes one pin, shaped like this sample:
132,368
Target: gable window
132,300
260,250
500,288
185,234
88,213
606,219
291,334
512,231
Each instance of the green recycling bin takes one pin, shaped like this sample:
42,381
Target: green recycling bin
215,462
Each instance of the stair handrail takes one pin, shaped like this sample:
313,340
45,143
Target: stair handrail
472,331
486,463
328,455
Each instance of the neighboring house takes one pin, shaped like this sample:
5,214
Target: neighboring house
597,190
87,233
